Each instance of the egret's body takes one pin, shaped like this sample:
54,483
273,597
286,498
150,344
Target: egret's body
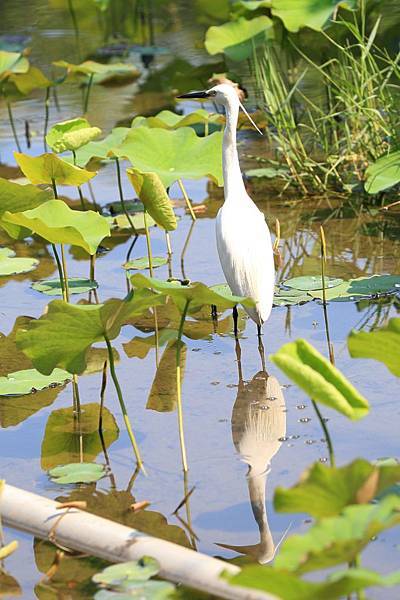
243,238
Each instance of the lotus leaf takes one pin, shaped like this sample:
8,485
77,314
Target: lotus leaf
288,586
152,194
101,150
339,539
290,297
12,62
243,6
237,39
48,167
311,282
71,135
163,395
90,67
196,293
123,574
146,590
77,473
383,173
9,265
382,344
362,287
33,79
29,381
184,155
121,221
63,336
325,491
318,378
76,285
167,119
140,264
296,14
63,440
17,198
59,224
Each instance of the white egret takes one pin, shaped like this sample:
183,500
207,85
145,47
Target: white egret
243,238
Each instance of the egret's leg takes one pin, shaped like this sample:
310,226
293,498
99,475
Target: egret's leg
261,347
235,321
214,317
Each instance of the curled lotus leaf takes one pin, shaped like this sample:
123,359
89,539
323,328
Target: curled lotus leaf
184,155
47,168
319,379
57,223
382,344
17,198
33,79
237,38
91,67
153,195
71,135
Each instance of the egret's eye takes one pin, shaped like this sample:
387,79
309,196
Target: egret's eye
212,93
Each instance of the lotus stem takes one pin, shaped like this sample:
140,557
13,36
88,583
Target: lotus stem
323,263
188,203
14,131
46,117
206,129
102,394
76,396
60,271
122,404
122,199
92,195
326,433
148,243
185,246
75,26
188,493
178,387
87,95
64,266
79,187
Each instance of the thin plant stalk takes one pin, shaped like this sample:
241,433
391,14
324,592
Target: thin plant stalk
326,433
46,117
79,187
178,387
148,243
14,131
87,95
188,203
60,271
169,253
102,394
64,266
185,247
92,195
122,404
75,26
122,199
323,263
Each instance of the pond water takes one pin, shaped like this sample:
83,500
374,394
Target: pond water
216,403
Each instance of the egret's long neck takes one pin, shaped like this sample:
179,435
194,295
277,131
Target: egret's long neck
233,182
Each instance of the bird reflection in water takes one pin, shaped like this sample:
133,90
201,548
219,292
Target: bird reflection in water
258,426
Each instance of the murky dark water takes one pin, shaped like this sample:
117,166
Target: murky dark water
359,242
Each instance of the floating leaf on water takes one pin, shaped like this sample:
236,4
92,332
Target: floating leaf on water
123,574
153,195
63,440
62,337
290,297
48,167
319,379
77,473
140,264
146,590
122,222
59,224
383,173
311,282
361,287
184,155
237,38
71,135
11,265
76,285
29,381
325,491
382,344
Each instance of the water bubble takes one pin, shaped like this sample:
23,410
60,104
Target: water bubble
309,442
300,406
196,349
351,298
222,420
294,437
323,460
323,440
218,352
232,385
215,382
264,407
283,439
325,419
305,420
290,445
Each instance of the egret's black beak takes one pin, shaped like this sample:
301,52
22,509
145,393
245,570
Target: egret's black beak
202,94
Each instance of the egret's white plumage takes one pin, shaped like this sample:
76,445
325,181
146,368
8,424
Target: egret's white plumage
243,238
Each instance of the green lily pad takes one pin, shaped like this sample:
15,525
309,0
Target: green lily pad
339,539
48,167
312,282
59,224
63,441
167,119
122,222
126,573
77,473
319,379
76,285
196,293
289,586
325,491
62,337
146,590
237,38
140,264
153,195
184,155
361,287
71,135
29,381
296,14
382,344
11,265
290,297
383,173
